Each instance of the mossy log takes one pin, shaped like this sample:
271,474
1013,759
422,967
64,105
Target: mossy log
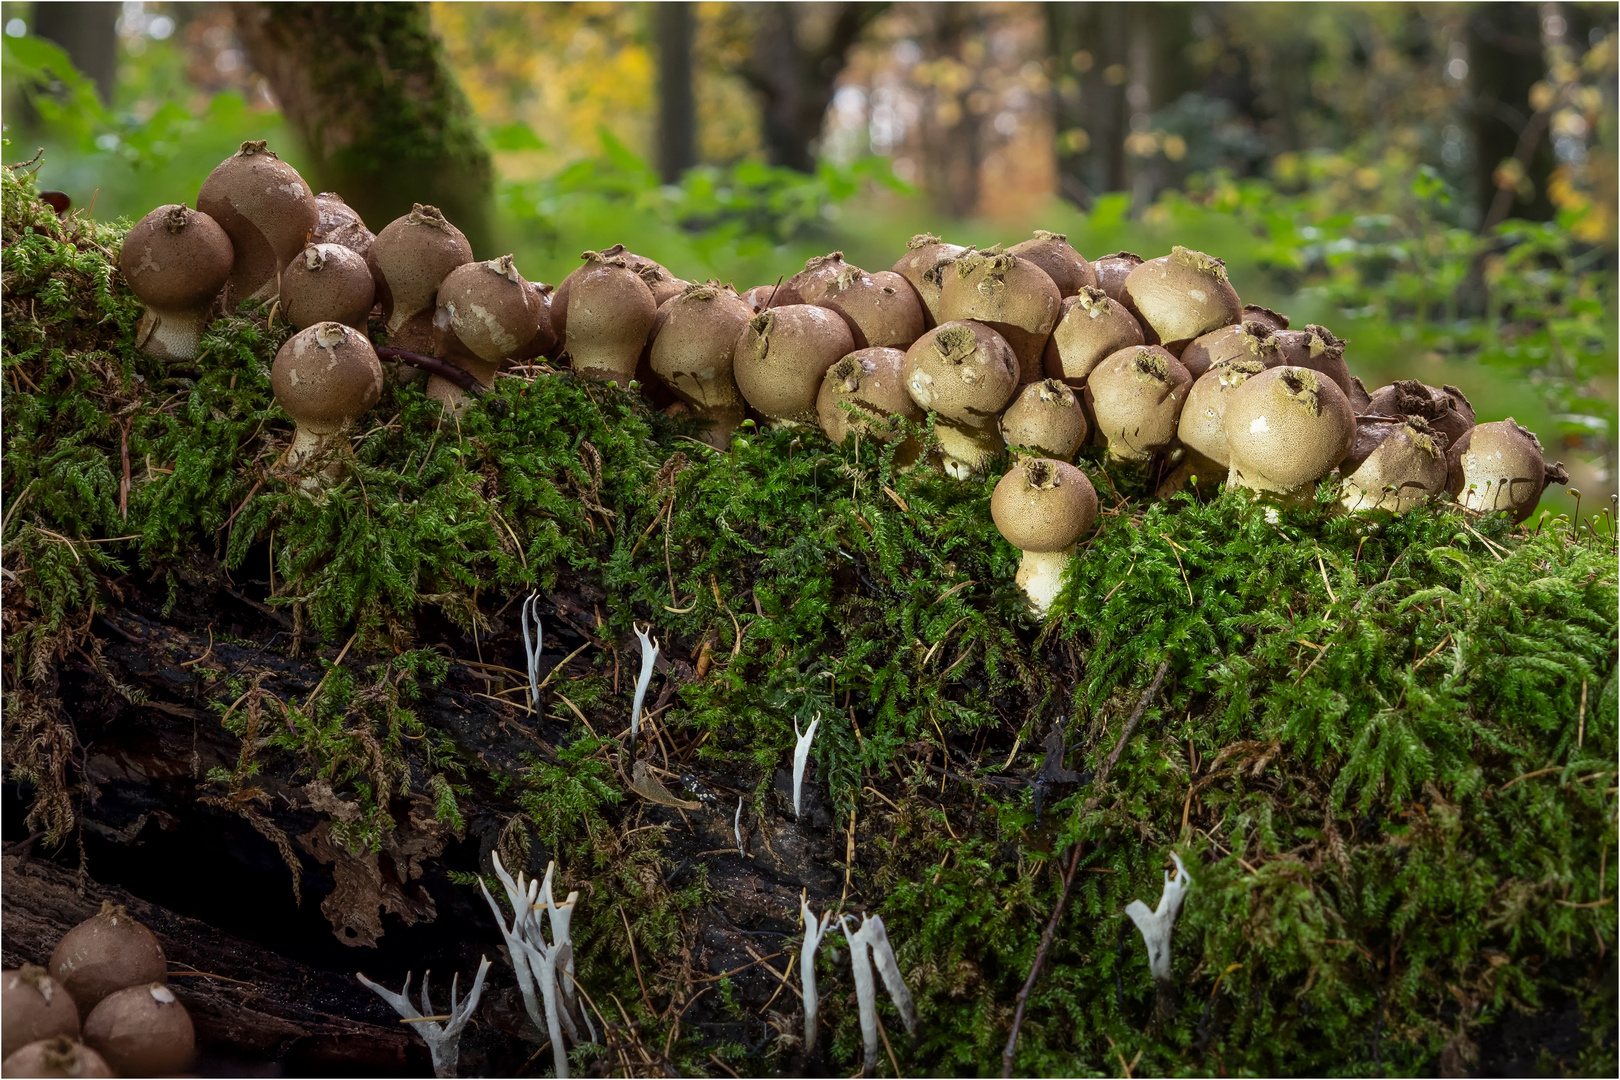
294,728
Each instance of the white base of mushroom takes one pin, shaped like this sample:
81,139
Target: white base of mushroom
171,335
1040,575
308,446
452,397
967,451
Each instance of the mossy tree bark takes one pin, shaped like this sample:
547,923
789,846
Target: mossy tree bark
368,88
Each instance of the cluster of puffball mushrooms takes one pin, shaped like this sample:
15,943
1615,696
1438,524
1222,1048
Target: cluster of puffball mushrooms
102,1007
1032,350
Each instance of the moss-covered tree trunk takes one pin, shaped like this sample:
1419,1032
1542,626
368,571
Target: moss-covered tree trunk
368,87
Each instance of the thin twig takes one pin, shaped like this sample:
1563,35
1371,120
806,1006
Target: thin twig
442,368
1050,932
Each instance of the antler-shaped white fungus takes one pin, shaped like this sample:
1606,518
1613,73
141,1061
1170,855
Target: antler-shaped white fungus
813,932
871,935
1156,925
801,756
531,610
443,1040
649,657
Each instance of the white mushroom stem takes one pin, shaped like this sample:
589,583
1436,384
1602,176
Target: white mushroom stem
889,968
801,757
561,916
649,657
1156,925
531,610
443,1040
1040,575
964,450
736,827
813,932
871,935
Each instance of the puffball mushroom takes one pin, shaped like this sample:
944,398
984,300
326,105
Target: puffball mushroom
142,1031
409,259
660,282
923,265
862,393
610,313
966,373
1395,465
60,1056
1045,419
1316,347
1043,507
1446,409
492,313
1286,428
1500,466
759,298
266,209
1267,318
1182,296
781,356
107,952
34,1006
809,285
1112,270
1090,328
326,377
1051,251
327,283
882,309
1202,428
694,341
1248,340
1011,295
1136,395
176,261
338,223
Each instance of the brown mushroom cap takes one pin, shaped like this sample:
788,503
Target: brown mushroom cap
882,309
409,259
1045,419
781,356
1112,270
490,308
1044,505
266,209
1445,408
326,377
923,265
1202,426
693,344
1090,328
759,297
1267,318
544,339
962,370
1137,395
1315,348
107,952
1051,251
1395,465
1182,296
60,1056
327,283
610,314
33,1006
1009,294
809,285
1247,340
176,261
862,392
142,1031
1286,427
338,223
1500,466
660,282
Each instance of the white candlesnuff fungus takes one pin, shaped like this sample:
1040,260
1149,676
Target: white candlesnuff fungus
1156,925
813,932
871,936
801,756
531,649
736,827
443,1039
649,657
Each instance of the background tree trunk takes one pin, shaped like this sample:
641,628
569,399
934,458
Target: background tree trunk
89,34
1504,61
367,86
677,108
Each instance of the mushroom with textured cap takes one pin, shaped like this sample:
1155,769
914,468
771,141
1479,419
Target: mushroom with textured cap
881,309
1395,465
266,209
1182,296
1247,340
924,264
1445,408
1316,348
660,282
759,297
783,353
325,377
1202,427
862,393
1090,328
611,310
142,1031
1286,428
1045,420
1271,320
694,340
1500,466
327,283
1043,507
1136,396
338,223
60,1056
176,261
1112,270
105,953
409,259
1011,295
486,314
1051,251
966,373
34,1006
809,285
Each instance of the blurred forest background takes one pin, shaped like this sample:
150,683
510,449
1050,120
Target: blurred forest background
1435,182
